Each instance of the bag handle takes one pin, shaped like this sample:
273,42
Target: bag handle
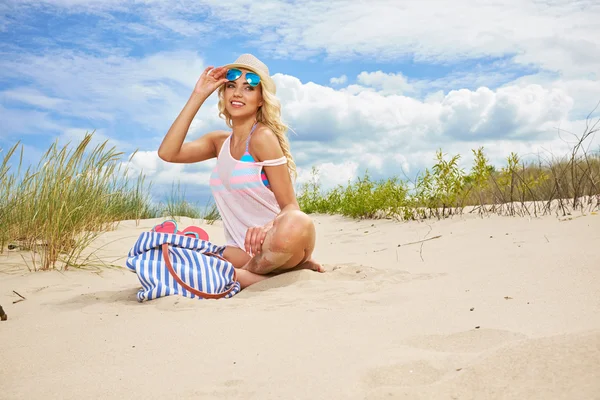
165,251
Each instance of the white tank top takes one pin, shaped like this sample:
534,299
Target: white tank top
241,193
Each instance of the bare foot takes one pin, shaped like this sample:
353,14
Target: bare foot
310,264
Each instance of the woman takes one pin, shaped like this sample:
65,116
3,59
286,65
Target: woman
266,231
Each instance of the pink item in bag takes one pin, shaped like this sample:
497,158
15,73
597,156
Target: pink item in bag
170,226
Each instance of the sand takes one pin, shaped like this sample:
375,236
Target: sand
494,308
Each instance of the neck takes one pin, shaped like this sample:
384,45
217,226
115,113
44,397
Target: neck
242,127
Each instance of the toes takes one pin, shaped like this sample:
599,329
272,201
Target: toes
315,266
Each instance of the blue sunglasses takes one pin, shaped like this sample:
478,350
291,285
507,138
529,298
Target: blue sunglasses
252,78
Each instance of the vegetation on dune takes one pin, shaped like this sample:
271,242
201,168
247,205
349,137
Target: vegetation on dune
519,188
58,208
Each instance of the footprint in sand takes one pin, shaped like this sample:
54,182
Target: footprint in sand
556,367
352,278
230,389
124,295
361,272
407,374
472,341
397,380
182,304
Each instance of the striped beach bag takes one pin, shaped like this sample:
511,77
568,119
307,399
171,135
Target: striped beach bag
174,264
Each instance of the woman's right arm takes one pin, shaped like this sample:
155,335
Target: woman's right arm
173,149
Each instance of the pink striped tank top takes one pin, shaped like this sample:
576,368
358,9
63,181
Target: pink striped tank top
241,192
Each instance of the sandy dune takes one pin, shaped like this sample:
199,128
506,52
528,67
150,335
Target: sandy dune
494,308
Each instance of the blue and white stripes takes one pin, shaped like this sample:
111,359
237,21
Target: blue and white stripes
195,268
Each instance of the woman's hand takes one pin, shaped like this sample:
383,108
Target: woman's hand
255,238
210,80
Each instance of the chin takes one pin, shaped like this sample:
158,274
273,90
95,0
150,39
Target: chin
243,112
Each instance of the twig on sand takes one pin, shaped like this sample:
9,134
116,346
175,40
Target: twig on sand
15,292
417,242
420,241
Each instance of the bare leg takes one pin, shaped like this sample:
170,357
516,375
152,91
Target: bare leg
239,258
236,256
247,278
288,245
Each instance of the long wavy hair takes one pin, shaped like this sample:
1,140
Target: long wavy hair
268,114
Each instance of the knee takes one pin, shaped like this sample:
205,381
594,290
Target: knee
295,221
293,229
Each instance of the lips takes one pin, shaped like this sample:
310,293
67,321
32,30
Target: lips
237,104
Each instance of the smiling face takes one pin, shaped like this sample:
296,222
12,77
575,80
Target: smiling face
240,98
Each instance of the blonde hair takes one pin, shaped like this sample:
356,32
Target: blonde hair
269,114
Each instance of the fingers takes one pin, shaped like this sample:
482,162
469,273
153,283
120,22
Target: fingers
261,239
247,241
253,234
257,241
250,243
214,72
220,73
254,240
216,76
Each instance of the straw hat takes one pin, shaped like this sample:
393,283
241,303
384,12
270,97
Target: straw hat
248,61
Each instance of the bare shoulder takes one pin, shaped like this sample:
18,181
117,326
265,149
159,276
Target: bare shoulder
218,137
264,144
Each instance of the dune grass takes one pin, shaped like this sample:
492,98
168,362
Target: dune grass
176,205
55,210
550,185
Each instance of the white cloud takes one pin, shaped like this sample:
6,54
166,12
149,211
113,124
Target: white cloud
393,135
585,92
321,113
149,91
74,136
339,80
510,112
28,122
385,83
33,97
162,172
557,35
329,174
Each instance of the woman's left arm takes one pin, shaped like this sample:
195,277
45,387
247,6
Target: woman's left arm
265,146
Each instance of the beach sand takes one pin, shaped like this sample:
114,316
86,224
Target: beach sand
494,308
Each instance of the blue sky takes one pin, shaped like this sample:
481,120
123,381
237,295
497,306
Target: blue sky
379,85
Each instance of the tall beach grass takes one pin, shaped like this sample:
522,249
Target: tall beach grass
54,210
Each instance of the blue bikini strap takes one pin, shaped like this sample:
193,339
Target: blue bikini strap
248,140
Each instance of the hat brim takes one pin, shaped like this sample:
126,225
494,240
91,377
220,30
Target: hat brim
265,80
